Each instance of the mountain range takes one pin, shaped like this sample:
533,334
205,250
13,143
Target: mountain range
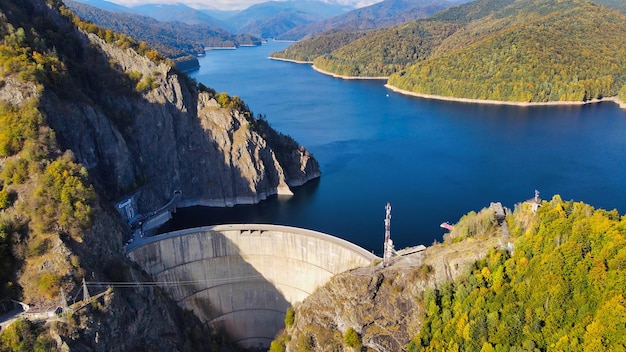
264,20
383,14
288,20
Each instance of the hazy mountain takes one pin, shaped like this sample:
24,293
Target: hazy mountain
383,14
220,15
177,12
173,39
268,19
272,18
106,5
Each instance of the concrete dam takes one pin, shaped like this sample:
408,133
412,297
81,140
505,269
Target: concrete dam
242,278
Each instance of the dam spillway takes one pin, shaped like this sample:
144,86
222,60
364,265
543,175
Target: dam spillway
242,278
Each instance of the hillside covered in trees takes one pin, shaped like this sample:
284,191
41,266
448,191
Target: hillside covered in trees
308,50
562,287
514,50
561,56
554,280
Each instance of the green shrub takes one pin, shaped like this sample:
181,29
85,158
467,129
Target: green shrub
290,317
352,338
24,335
279,344
15,171
38,246
63,197
18,125
48,284
305,343
6,199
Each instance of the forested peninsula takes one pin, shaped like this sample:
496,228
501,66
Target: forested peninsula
523,51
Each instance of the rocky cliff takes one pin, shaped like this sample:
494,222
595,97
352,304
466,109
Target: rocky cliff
70,98
174,136
383,307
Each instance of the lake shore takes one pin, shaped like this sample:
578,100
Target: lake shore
504,102
346,77
289,60
614,99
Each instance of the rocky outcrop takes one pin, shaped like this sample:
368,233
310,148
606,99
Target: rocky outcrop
174,137
383,305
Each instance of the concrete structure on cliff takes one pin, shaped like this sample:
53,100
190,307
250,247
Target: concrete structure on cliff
244,277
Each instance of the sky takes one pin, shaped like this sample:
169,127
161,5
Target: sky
229,4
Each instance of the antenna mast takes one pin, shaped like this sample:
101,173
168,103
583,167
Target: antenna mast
388,245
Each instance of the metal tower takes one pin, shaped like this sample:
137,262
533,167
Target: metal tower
388,245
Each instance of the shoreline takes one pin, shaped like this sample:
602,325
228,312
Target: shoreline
346,77
289,60
613,99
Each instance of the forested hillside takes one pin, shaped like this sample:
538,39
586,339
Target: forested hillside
551,278
563,56
562,288
512,50
54,227
308,50
388,50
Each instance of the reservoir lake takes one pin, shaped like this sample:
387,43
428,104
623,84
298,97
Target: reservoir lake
434,161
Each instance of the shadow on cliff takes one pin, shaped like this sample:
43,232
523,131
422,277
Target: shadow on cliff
207,273
133,136
273,210
134,139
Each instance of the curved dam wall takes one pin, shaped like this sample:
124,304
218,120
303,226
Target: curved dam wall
242,278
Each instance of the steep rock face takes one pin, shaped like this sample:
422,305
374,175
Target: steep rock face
383,305
175,137
168,137
133,318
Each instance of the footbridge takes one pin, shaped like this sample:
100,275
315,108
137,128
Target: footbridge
242,278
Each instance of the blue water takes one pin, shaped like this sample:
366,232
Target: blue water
433,160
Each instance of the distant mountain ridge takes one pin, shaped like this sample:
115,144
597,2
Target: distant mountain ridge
273,18
383,14
267,19
177,13
177,40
